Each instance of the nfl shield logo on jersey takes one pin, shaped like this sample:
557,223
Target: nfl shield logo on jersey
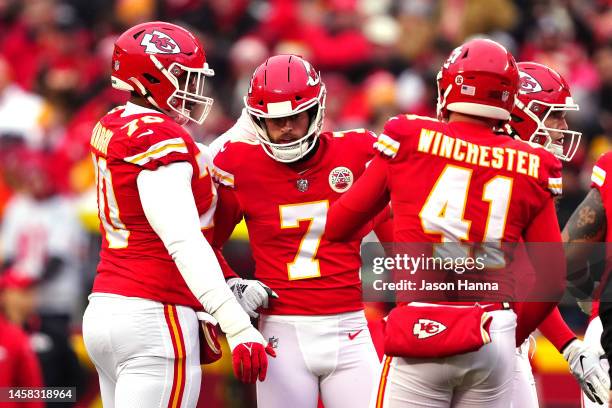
302,185
340,179
425,328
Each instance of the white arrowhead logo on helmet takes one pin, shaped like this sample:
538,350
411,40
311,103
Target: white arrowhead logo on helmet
159,43
425,328
528,83
313,76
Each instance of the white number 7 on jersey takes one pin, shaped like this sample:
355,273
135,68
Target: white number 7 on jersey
305,265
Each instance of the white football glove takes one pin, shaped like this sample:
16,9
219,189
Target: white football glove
251,294
584,362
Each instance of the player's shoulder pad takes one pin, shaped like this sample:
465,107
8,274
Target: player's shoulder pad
400,129
354,134
227,152
242,131
155,140
358,140
230,140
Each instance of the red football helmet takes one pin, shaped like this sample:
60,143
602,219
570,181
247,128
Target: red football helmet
542,92
166,65
286,85
479,78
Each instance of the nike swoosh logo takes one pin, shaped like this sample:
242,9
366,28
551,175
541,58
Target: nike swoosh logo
581,366
351,336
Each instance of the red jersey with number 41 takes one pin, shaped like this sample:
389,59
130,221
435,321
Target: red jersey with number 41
285,209
460,181
133,259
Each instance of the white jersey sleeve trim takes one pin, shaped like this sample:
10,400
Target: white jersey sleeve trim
555,185
158,150
387,145
598,176
222,177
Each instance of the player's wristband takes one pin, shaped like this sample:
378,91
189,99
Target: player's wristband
562,349
231,317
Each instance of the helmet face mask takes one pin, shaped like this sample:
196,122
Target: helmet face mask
188,99
543,95
166,65
295,150
563,143
284,86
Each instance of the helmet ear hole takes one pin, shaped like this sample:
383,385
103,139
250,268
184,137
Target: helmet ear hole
150,78
176,71
298,98
137,34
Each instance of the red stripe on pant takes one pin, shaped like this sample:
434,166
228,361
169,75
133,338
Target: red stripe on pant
178,344
382,385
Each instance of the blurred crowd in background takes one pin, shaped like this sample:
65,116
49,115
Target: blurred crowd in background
378,58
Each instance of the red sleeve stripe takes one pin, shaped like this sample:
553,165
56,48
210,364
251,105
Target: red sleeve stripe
178,344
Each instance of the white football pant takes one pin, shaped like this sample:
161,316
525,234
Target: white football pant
524,393
480,379
331,354
146,353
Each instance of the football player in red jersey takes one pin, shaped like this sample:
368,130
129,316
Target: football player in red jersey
539,117
589,225
442,177
282,180
155,196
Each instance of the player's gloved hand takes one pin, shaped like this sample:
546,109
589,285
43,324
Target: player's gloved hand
249,355
584,362
251,294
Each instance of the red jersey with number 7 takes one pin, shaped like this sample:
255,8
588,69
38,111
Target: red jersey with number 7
285,209
133,259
